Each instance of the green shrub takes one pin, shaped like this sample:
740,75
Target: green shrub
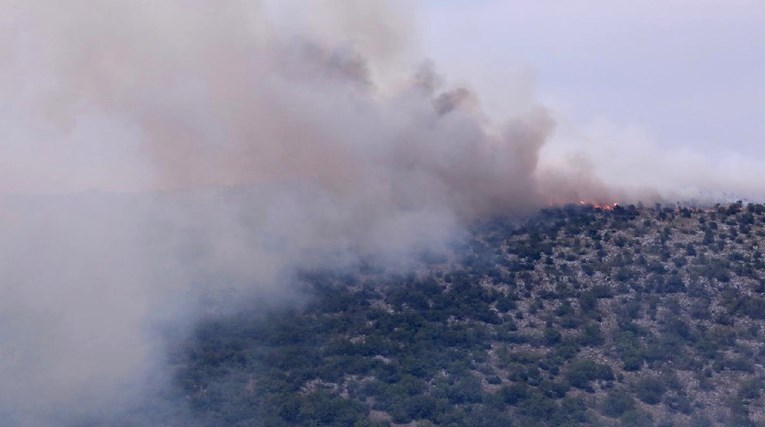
582,372
650,390
637,418
616,403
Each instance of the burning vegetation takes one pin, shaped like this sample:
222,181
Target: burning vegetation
608,207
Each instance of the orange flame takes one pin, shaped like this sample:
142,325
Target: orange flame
608,207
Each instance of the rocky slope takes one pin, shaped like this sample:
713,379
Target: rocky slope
582,315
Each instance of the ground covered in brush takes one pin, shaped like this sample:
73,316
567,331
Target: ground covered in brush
582,316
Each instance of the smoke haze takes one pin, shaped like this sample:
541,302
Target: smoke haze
155,152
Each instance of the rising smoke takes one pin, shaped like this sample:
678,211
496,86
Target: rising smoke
154,152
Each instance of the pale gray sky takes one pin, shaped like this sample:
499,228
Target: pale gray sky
656,89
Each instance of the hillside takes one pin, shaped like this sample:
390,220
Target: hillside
581,315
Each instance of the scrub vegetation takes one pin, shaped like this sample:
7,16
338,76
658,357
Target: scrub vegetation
582,315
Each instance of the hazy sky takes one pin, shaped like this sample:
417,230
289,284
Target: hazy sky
679,79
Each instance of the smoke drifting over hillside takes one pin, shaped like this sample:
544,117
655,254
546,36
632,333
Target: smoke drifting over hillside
247,140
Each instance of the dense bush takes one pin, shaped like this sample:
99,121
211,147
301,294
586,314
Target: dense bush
582,372
617,402
650,390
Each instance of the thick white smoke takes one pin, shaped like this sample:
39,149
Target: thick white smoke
228,143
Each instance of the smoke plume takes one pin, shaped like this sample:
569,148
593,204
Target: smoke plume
155,152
